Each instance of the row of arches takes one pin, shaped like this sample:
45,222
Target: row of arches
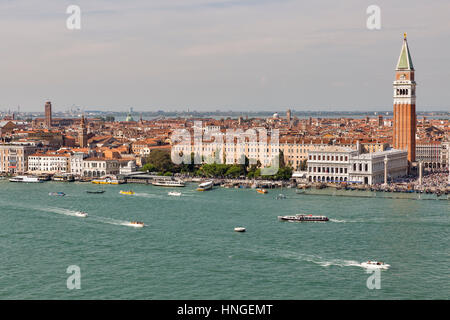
94,173
327,179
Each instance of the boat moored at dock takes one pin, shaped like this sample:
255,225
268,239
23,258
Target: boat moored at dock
304,218
205,186
25,179
168,183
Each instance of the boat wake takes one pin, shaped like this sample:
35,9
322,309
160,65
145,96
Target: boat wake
321,261
113,221
66,212
338,221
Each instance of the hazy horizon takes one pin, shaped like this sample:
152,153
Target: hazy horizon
204,55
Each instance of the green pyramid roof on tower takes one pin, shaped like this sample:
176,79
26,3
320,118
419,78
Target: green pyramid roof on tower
405,61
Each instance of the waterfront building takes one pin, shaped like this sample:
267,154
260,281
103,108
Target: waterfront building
329,164
369,168
404,134
14,157
99,167
343,164
50,162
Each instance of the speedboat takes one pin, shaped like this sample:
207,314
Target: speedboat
205,186
137,224
375,265
263,191
175,194
56,194
239,229
130,192
81,214
304,218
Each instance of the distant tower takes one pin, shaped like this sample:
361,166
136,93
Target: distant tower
380,121
48,114
405,104
288,115
82,134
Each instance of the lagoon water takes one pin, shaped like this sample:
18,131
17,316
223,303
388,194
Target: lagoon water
190,251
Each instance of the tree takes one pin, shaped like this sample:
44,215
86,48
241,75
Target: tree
161,160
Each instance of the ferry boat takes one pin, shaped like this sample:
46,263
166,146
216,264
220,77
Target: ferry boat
26,179
263,191
176,194
130,192
168,183
375,265
81,214
61,194
304,218
205,186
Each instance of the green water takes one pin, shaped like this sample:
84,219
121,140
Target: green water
190,251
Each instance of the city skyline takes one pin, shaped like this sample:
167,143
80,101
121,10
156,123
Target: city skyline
249,55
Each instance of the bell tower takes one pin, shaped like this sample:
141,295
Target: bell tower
404,133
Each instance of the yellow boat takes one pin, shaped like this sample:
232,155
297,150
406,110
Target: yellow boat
261,190
131,192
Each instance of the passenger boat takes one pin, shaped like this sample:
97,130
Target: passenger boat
130,192
263,191
63,177
26,179
239,229
98,191
173,193
375,265
137,224
304,218
57,194
168,183
205,186
81,214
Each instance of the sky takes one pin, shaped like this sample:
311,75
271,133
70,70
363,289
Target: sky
211,55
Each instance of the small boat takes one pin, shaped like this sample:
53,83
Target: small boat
304,218
130,192
375,265
98,191
280,196
239,229
263,191
81,214
205,186
175,194
137,224
61,194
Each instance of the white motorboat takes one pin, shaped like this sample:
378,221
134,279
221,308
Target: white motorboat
81,214
26,179
375,265
175,194
240,229
136,224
